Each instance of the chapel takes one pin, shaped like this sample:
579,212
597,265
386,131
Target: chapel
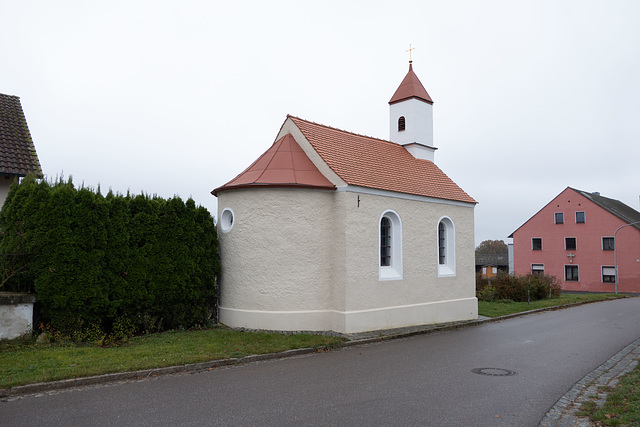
329,230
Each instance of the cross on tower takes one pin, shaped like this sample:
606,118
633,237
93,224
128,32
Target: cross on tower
409,50
571,255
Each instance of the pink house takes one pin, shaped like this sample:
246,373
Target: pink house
578,237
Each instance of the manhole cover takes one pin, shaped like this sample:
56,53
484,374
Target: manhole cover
494,372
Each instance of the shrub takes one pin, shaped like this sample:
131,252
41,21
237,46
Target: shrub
112,264
517,288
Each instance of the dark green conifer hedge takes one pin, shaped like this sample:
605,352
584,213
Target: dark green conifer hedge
93,259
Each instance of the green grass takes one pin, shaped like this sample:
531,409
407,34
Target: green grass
622,406
24,362
497,308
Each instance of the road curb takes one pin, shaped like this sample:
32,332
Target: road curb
591,388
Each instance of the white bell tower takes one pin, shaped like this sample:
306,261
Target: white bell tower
411,117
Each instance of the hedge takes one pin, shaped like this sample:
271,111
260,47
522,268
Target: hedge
95,259
516,288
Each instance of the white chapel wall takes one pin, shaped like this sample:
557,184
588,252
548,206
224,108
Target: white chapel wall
421,296
277,260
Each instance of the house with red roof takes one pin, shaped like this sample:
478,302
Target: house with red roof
329,230
18,156
587,241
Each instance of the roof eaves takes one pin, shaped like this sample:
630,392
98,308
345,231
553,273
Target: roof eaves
218,190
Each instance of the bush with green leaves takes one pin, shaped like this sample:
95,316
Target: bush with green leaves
516,288
95,259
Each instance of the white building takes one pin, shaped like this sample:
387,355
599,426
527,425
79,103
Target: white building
330,230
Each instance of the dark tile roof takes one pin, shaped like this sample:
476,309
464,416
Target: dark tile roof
615,207
499,260
18,155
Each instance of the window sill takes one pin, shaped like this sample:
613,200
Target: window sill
445,271
389,273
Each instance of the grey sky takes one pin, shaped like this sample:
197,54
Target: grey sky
173,97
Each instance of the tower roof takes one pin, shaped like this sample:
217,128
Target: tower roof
410,88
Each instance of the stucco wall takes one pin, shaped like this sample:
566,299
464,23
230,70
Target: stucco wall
308,260
419,122
277,256
16,314
412,299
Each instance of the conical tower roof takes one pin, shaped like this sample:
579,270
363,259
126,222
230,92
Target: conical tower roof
411,88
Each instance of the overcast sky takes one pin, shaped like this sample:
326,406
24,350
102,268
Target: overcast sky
178,97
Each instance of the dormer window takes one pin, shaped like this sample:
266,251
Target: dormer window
401,124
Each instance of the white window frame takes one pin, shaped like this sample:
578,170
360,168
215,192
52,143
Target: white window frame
394,270
227,220
614,243
534,238
565,272
565,244
448,269
585,217
537,267
555,217
611,270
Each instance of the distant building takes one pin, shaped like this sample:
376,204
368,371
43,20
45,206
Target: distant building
574,239
330,230
18,155
488,265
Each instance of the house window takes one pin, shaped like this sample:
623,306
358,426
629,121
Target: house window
446,248
580,218
390,246
494,270
559,217
608,244
570,243
571,273
608,274
401,124
536,243
537,270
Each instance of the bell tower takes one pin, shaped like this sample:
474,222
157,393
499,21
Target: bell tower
411,117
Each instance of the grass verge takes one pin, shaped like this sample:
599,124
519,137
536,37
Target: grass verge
622,406
503,308
24,362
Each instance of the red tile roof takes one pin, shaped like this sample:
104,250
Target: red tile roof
17,153
282,165
379,164
410,88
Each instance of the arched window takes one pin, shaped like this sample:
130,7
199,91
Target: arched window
401,124
446,247
385,242
442,243
390,246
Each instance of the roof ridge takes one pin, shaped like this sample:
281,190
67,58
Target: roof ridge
342,130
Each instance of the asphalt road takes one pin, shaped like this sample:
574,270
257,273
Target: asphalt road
423,380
